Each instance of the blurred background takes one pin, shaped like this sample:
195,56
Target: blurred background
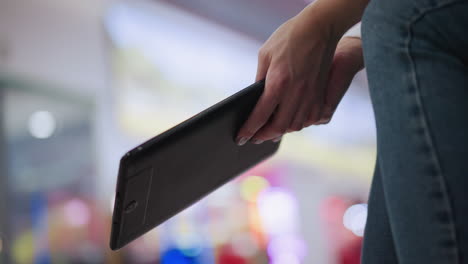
82,82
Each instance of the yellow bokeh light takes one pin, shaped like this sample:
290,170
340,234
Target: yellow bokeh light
252,186
23,248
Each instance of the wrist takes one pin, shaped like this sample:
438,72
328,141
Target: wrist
335,16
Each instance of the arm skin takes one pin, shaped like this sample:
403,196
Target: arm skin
341,15
307,69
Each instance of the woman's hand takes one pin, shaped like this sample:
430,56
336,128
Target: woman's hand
347,61
305,78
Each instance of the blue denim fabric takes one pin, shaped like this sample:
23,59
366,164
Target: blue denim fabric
416,56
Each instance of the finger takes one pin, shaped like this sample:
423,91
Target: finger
303,111
347,61
264,106
277,139
281,121
262,65
326,117
316,104
261,113
338,82
315,112
318,100
334,93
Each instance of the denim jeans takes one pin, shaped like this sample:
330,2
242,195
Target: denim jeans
416,57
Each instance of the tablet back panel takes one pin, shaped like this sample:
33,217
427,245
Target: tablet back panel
175,169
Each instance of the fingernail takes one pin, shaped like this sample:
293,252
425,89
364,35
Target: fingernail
324,121
241,141
277,139
257,141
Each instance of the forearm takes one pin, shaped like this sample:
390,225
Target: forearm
336,15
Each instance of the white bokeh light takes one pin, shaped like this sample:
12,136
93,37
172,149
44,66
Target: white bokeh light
286,258
41,124
278,211
77,213
287,245
355,218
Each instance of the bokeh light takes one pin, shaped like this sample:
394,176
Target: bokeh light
278,211
23,248
76,213
355,218
41,124
243,244
190,244
251,186
286,258
173,256
287,243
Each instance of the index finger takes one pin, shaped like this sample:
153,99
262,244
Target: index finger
262,111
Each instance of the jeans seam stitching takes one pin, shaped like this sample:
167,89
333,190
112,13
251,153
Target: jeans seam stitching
425,123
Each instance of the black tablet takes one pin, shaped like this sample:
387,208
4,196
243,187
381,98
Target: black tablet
177,168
